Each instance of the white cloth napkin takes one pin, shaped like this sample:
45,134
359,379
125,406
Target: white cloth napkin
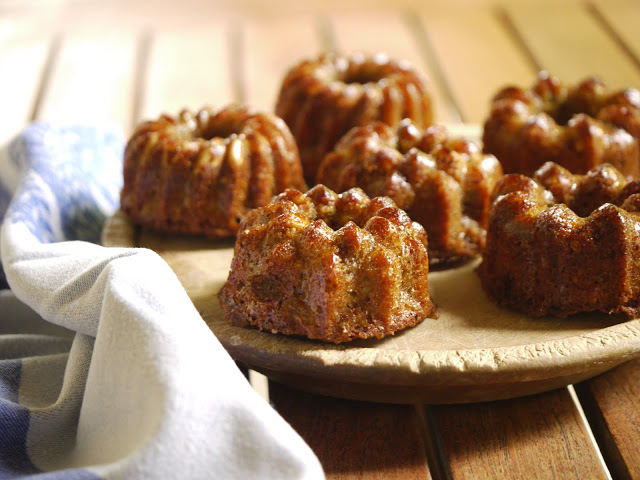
106,368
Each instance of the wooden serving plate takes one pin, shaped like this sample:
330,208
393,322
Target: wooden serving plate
474,351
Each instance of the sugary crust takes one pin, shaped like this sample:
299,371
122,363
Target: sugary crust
562,244
199,173
443,183
322,98
329,267
578,127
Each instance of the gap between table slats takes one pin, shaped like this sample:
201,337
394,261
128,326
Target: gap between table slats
396,35
587,426
589,49
26,59
614,23
610,403
53,52
540,436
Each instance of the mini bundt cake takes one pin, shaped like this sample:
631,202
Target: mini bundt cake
329,267
322,98
578,127
199,173
443,183
564,243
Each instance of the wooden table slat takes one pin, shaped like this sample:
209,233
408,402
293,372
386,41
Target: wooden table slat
23,60
270,47
92,78
356,440
569,42
189,69
540,436
477,55
610,403
621,17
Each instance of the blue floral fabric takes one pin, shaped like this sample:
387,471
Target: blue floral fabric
67,180
74,173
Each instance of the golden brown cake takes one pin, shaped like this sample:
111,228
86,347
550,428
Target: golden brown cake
322,98
443,183
561,244
199,173
329,267
578,127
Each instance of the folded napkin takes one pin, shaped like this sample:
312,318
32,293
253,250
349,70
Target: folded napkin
106,368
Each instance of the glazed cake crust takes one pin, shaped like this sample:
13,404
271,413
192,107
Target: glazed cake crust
562,244
328,267
578,127
322,98
199,173
443,183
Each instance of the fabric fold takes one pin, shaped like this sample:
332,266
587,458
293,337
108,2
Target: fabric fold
120,377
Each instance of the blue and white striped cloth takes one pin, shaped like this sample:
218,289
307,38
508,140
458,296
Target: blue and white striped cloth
106,368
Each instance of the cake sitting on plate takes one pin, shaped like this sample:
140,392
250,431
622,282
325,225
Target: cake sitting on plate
562,243
327,266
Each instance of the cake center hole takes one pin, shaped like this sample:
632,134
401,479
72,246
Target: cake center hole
211,131
562,114
363,76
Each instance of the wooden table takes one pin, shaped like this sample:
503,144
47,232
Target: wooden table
92,62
